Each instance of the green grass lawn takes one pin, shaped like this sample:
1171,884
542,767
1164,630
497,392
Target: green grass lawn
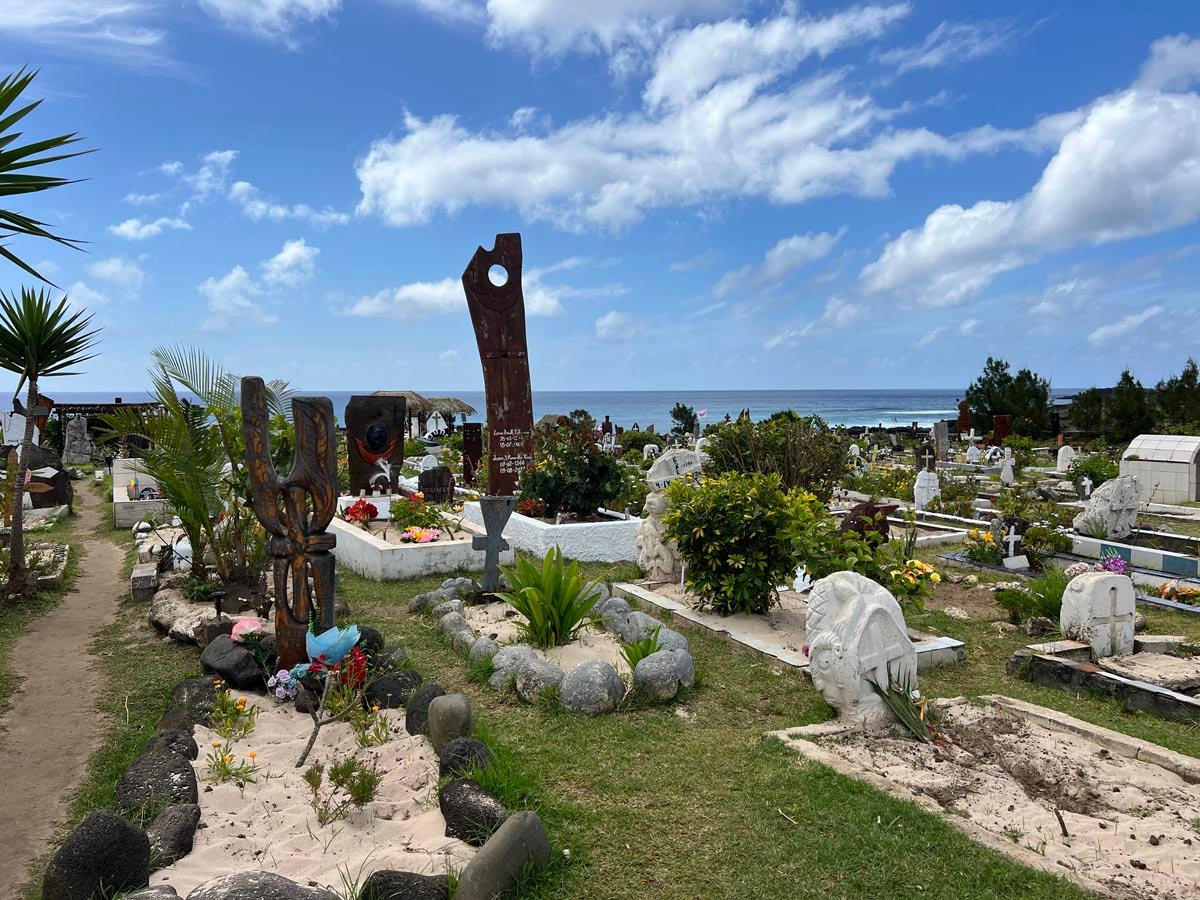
689,801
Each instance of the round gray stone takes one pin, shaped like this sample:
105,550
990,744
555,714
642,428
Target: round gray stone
612,609
452,623
104,853
449,718
192,702
483,648
686,667
635,626
592,686
162,892
670,639
537,678
471,813
171,834
160,776
461,755
416,712
450,606
462,640
257,886
387,884
657,675
233,662
519,844
393,690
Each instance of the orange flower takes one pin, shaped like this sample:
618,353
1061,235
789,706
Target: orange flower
252,755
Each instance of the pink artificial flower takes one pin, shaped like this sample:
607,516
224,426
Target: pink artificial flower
244,628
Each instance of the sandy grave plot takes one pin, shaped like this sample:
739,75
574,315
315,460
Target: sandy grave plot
499,622
386,531
1132,824
271,825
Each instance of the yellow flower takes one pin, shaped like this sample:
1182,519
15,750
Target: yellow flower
989,538
935,577
974,532
216,743
896,573
374,709
227,758
252,755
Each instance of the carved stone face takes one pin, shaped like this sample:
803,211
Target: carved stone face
824,659
376,437
656,504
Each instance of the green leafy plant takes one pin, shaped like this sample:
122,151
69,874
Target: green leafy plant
413,447
198,589
685,419
803,451
879,481
1024,396
38,340
1097,467
909,710
414,512
231,718
734,533
351,783
571,473
634,441
223,765
981,546
555,602
16,161
635,651
1039,597
1040,543
1022,448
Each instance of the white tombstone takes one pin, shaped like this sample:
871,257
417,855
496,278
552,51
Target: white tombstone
1066,456
857,637
672,465
1112,509
434,423
926,488
1097,609
855,451
702,448
1007,477
974,455
650,450
428,462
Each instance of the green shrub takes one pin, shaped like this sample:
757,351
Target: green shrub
1040,543
1040,597
803,452
570,472
883,481
413,447
555,600
1022,449
635,651
635,440
734,531
414,512
957,498
1097,467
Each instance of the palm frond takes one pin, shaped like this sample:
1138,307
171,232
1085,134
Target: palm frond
16,158
40,339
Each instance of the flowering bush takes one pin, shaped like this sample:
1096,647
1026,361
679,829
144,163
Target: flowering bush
413,512
283,685
1173,590
231,719
361,513
913,581
1113,563
414,535
981,546
532,507
1079,568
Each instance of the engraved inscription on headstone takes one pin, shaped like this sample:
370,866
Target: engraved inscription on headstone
437,484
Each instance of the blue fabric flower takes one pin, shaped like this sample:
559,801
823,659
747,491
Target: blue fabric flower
333,644
300,670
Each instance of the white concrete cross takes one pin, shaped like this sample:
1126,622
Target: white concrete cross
928,455
1012,539
1086,484
1113,621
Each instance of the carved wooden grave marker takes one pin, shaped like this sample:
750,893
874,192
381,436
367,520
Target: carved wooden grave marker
375,441
498,314
295,510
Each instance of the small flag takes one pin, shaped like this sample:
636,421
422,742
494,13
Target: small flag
702,413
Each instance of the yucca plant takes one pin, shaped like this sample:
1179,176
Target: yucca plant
555,600
38,339
17,159
635,651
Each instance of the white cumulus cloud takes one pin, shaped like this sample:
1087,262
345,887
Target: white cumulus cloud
120,272
1124,326
137,230
294,264
787,256
615,327
276,20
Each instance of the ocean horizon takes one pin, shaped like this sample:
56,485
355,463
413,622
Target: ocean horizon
859,407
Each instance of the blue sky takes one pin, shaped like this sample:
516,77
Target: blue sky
712,193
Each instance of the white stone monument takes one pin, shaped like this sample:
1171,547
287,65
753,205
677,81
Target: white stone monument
925,488
650,450
1007,476
428,462
974,454
857,637
77,444
1097,609
1066,456
1112,509
702,448
658,557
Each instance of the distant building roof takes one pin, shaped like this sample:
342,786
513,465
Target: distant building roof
419,405
1171,448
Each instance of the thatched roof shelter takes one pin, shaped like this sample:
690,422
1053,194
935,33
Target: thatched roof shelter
451,406
415,403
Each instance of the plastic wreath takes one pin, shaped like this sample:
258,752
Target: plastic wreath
331,645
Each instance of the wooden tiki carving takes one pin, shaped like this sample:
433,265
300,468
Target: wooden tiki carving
375,429
295,510
472,449
498,314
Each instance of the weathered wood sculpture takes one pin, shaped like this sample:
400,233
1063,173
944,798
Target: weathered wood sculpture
295,510
498,314
375,441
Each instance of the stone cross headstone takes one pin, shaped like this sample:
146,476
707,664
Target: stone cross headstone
1066,456
1097,609
702,448
1012,539
672,465
927,457
893,439
496,513
1085,488
857,637
375,429
437,484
